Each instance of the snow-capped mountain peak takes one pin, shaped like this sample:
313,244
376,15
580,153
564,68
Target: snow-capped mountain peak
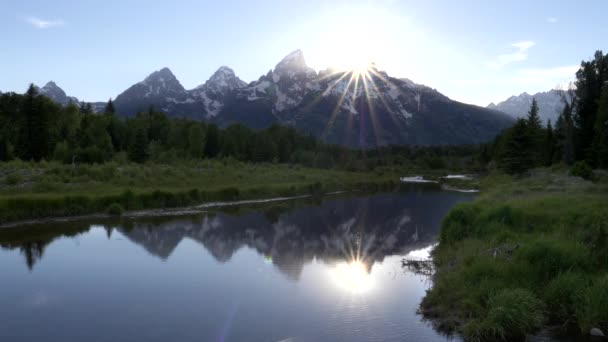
337,107
160,81
293,63
223,78
517,106
216,89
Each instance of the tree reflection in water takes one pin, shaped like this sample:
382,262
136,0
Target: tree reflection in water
349,232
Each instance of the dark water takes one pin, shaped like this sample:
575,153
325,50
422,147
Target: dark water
324,269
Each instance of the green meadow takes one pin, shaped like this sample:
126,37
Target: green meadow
528,253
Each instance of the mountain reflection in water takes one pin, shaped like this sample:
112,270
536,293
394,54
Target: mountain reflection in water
289,234
315,269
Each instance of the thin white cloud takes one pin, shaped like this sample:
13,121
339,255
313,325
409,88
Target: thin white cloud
552,20
547,78
520,55
42,23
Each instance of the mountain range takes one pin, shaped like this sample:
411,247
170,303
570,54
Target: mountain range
337,107
549,105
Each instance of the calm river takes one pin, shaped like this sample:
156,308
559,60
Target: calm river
314,269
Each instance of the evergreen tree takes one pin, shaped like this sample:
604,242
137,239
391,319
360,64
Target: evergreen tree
4,149
568,148
601,130
110,108
212,143
196,140
158,127
139,149
516,158
264,150
549,144
558,135
34,136
485,156
27,108
118,133
590,79
533,120
534,128
69,124
86,108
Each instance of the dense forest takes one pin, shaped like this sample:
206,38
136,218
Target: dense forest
32,127
580,134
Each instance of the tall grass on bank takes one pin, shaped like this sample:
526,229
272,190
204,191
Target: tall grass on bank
40,190
527,252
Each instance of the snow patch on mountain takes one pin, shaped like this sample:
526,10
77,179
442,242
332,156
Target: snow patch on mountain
549,105
216,89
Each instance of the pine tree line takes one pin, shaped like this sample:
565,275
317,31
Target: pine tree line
580,132
32,127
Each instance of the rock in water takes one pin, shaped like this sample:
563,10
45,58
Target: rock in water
596,332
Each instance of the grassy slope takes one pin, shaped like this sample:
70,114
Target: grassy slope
29,190
526,253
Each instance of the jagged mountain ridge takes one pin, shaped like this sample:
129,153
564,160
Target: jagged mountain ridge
549,105
56,94
328,232
333,106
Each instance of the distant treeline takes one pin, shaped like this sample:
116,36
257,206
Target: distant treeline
580,134
32,127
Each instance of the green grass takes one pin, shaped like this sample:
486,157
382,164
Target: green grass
39,190
544,236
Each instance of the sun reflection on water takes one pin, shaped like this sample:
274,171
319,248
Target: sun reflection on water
353,277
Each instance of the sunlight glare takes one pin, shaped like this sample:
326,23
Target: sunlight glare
353,41
352,277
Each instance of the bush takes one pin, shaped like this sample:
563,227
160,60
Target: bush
12,179
435,163
61,153
115,209
512,314
583,170
44,185
563,294
458,224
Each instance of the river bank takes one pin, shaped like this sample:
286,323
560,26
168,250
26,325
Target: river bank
33,191
527,253
54,190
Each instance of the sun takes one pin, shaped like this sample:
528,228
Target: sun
350,53
358,65
352,39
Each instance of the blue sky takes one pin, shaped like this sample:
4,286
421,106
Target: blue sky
472,51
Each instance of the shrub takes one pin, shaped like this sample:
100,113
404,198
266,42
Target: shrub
563,294
44,185
12,179
115,209
583,170
61,153
512,314
458,224
435,163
